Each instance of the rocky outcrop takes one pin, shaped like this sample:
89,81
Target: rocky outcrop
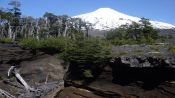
145,61
13,55
150,71
104,87
135,72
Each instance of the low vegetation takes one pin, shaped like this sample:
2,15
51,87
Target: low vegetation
59,44
30,43
88,51
172,49
5,40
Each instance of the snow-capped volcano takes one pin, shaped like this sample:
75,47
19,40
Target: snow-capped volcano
107,18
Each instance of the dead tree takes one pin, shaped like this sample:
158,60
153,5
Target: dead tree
12,70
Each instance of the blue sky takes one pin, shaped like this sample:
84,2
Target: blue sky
161,10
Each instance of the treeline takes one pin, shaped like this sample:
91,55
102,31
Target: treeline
136,33
15,26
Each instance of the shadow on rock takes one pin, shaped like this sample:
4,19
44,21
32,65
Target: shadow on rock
148,77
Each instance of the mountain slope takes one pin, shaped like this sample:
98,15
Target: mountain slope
106,18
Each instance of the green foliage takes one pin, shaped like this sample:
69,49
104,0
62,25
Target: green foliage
88,55
138,52
5,15
133,34
75,34
5,40
162,38
31,43
123,53
145,22
150,32
172,50
87,73
15,10
116,33
150,40
58,44
88,51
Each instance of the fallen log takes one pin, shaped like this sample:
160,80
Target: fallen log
12,70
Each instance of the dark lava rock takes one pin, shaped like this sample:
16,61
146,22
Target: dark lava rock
137,71
145,61
103,87
14,54
140,54
151,77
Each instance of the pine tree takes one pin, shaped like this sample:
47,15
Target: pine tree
15,21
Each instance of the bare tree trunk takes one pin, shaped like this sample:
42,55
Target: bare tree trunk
18,76
22,31
14,35
65,31
9,31
31,32
3,32
1,27
37,31
23,82
46,25
0,30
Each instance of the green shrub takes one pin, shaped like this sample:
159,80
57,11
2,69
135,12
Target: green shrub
123,53
150,40
88,56
88,51
87,73
59,43
5,40
30,43
133,34
172,50
48,45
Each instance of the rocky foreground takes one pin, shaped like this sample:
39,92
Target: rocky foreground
144,71
103,87
43,72
134,72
